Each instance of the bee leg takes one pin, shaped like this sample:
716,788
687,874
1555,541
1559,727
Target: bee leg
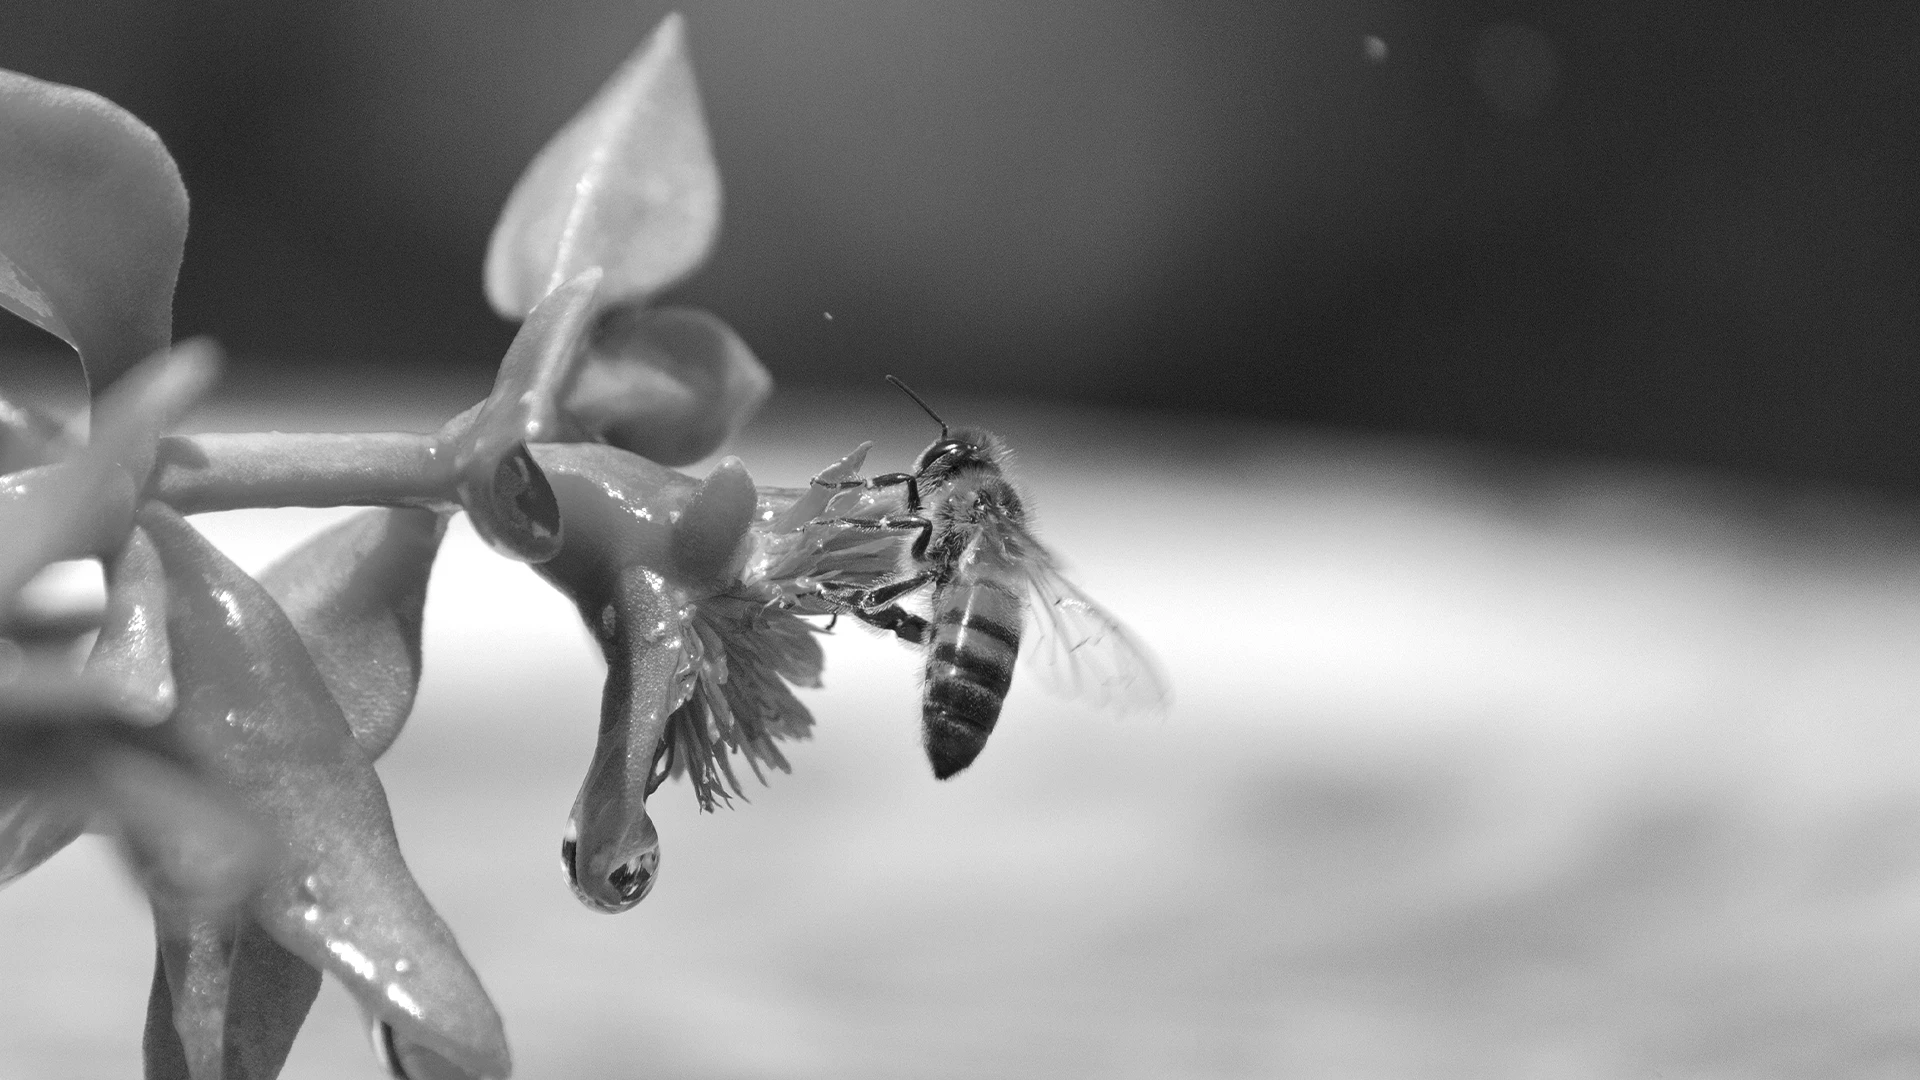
896,620
904,522
876,606
884,595
885,480
849,598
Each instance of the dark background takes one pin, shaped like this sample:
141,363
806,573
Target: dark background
1678,232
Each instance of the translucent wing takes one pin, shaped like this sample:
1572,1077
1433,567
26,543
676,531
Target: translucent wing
1077,648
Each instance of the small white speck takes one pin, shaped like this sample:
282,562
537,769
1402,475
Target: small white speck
828,314
1376,49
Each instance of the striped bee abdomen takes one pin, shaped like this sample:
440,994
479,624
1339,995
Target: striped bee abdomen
976,636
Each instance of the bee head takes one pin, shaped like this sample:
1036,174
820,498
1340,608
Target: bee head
953,450
946,452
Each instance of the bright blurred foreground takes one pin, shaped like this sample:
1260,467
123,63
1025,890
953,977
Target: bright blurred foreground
1475,770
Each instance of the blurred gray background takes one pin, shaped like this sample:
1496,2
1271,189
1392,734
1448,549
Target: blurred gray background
1480,764
1679,232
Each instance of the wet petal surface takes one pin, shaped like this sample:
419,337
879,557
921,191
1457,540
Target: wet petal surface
342,898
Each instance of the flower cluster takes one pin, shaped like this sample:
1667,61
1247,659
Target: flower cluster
223,726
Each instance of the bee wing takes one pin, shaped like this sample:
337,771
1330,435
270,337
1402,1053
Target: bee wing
1080,650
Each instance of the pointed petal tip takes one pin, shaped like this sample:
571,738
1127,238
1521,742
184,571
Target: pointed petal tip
707,540
628,184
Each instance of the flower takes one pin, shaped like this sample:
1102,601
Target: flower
696,592
629,188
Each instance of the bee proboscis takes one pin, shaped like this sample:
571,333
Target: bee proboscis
985,574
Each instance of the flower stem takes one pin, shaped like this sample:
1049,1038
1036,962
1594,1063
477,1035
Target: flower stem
196,474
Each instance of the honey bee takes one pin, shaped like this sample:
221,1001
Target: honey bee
987,575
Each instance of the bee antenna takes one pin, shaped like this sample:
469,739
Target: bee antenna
905,389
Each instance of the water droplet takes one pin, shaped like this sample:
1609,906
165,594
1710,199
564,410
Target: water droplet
612,889
634,879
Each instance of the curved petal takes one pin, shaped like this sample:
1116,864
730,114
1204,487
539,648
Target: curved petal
67,743
82,506
710,538
611,851
35,825
29,437
93,219
196,959
131,654
812,501
357,594
499,484
671,384
619,513
186,839
241,996
628,185
342,899
695,658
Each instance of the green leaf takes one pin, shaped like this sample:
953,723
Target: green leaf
671,384
93,219
629,185
342,899
357,594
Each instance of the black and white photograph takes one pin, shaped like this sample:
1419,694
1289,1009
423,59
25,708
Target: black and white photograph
970,540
